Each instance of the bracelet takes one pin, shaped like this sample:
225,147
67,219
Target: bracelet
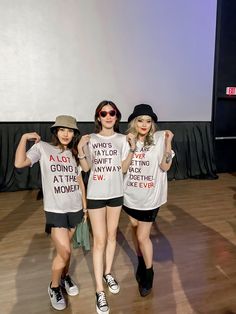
81,157
132,150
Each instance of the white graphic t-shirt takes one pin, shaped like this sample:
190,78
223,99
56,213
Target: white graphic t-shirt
106,154
59,173
145,184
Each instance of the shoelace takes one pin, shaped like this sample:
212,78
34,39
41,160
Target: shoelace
110,280
57,293
69,281
102,302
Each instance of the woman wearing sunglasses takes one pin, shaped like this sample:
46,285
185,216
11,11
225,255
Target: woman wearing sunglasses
107,154
145,186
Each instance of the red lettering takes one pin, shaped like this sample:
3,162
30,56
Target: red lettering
63,159
51,158
98,177
139,155
147,185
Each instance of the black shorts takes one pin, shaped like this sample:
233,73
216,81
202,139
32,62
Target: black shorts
142,215
112,202
64,220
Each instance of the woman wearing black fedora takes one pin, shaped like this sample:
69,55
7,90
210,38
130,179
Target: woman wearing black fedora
64,196
145,186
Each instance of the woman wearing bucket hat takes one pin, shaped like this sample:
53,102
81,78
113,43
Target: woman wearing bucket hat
107,154
64,196
145,186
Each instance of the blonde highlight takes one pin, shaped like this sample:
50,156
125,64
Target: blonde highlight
148,141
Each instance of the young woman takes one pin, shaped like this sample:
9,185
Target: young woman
64,197
107,154
145,186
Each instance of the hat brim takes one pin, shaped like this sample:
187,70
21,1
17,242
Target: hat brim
55,126
134,115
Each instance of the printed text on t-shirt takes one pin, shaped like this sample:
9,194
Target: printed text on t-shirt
65,178
104,160
137,178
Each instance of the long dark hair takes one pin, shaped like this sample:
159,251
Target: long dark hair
72,146
98,125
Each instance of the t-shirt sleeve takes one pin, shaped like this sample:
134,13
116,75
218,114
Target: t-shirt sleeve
34,153
162,135
88,151
79,169
159,140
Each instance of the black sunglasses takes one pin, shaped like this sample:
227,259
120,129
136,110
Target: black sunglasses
104,113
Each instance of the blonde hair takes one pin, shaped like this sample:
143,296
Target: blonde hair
148,141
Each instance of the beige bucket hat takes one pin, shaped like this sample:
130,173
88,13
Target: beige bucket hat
66,122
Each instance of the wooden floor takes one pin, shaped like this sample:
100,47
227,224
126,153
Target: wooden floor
194,255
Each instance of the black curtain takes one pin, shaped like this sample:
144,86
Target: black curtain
224,106
192,144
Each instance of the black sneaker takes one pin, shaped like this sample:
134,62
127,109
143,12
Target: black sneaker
56,297
101,303
69,285
112,284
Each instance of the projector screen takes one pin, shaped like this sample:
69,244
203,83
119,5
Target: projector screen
65,56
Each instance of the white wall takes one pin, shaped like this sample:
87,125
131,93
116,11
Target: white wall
65,56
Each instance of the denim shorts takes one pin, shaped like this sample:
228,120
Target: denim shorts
62,220
142,215
112,202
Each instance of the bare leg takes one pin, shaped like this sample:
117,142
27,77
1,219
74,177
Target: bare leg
61,240
113,215
66,269
144,241
141,237
134,224
98,223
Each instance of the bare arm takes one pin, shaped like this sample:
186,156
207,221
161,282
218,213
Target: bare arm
21,159
132,142
83,192
167,157
82,152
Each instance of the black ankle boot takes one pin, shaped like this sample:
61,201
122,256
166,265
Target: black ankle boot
145,285
140,273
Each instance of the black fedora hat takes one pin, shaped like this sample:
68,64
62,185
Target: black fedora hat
143,110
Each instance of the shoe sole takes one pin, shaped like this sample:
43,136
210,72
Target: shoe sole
144,292
101,312
114,291
72,294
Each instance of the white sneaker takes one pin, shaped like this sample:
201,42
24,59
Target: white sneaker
112,284
101,303
56,297
69,285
